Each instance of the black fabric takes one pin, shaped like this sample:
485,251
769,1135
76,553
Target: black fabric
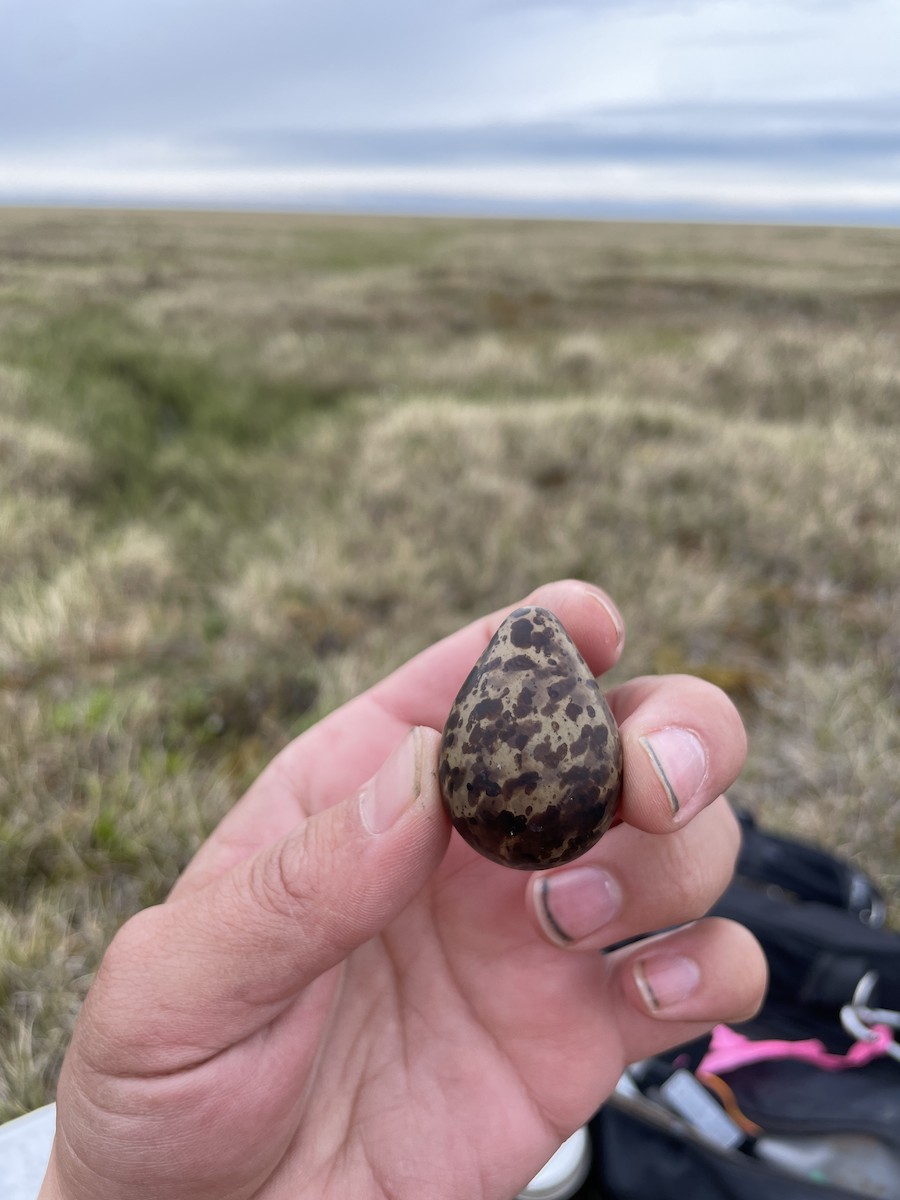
805,872
635,1160
792,1096
817,955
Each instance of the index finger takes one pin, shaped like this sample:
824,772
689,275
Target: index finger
344,749
423,689
335,757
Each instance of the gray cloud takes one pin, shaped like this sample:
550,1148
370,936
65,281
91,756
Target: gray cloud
797,88
812,133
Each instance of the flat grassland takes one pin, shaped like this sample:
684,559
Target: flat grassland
249,463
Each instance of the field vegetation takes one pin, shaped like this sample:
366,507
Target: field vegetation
248,463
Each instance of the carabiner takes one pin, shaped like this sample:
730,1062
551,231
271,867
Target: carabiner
871,1024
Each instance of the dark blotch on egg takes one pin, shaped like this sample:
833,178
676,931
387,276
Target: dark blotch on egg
531,761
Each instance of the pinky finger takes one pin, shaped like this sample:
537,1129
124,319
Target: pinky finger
676,986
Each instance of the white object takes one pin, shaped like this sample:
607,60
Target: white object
565,1172
24,1153
690,1099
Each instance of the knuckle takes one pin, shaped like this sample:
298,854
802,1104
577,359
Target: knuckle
130,948
290,881
686,888
698,877
281,882
113,1030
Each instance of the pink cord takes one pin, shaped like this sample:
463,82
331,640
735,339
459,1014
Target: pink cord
729,1050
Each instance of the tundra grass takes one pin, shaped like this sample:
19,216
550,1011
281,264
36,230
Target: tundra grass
250,463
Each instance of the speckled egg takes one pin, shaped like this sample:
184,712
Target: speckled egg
531,761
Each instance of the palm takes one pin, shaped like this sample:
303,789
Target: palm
468,1021
449,1034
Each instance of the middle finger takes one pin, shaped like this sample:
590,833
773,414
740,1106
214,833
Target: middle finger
634,883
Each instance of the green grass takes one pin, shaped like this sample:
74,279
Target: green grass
249,463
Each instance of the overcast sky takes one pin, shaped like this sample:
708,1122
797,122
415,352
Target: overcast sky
722,108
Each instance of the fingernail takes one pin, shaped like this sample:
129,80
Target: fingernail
612,612
573,904
679,760
395,788
665,979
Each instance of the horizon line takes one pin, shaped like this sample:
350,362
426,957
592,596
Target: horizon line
499,209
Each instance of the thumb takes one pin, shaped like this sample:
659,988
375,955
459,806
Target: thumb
210,969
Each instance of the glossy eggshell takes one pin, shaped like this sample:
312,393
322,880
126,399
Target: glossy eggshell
531,761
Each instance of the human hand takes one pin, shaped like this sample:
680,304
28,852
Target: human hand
335,1002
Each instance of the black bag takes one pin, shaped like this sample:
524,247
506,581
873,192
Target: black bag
822,1134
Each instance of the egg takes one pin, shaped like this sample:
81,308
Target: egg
531,760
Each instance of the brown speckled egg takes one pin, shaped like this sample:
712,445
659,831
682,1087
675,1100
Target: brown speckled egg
531,762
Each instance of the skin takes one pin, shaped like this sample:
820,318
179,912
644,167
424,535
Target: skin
339,999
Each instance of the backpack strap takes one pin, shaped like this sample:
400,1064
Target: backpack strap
806,872
817,953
